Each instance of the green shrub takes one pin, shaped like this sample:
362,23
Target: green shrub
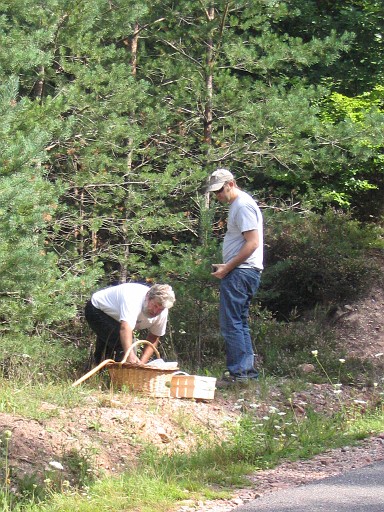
315,259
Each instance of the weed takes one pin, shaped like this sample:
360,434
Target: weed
80,467
26,399
5,442
96,425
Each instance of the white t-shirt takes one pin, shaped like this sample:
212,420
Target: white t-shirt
125,302
244,215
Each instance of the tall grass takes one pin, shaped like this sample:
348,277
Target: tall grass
26,398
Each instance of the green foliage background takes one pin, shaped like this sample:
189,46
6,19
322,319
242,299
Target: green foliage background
114,114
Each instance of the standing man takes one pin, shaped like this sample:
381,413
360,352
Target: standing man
239,274
115,312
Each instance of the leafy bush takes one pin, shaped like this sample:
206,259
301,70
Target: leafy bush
315,259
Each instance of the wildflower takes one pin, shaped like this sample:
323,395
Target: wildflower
7,434
342,361
314,353
375,384
337,391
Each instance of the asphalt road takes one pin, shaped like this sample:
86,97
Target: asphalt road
357,490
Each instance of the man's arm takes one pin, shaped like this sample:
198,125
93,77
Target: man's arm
126,337
251,243
148,350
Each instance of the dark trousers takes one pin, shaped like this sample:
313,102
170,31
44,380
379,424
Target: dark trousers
107,329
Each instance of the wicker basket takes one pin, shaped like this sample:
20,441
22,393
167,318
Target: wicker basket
192,386
149,381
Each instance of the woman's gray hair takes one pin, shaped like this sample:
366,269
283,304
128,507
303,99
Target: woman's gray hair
162,294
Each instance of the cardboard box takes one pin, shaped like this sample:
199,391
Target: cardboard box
193,386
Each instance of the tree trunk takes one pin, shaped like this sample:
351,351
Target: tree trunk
38,89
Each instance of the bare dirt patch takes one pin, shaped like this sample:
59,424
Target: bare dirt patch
360,326
110,431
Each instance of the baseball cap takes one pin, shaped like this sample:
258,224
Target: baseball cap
218,178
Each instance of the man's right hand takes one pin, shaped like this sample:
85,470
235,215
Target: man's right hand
131,358
220,270
126,338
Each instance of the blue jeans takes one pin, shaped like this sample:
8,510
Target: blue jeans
236,292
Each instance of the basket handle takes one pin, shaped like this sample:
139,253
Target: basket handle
139,342
93,371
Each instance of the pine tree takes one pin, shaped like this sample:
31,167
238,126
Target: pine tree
34,291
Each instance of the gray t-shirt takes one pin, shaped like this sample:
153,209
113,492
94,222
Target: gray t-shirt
244,215
125,302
